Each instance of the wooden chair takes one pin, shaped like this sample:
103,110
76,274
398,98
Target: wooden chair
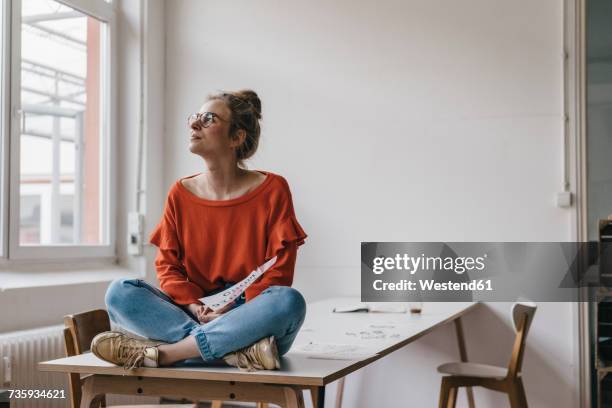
80,330
501,379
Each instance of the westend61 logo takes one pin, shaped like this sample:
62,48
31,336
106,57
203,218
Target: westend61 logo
414,264
485,271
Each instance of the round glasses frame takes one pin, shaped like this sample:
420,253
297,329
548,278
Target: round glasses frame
205,118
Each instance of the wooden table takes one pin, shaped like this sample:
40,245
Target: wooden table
377,334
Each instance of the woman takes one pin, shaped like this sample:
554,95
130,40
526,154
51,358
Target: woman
217,227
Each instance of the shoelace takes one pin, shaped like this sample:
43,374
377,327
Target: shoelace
247,359
133,355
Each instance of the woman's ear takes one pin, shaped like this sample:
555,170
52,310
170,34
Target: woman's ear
239,138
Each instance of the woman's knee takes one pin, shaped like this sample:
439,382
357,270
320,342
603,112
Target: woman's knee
117,292
289,302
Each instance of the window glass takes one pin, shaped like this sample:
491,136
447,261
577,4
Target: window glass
63,86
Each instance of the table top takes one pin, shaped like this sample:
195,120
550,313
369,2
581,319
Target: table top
328,347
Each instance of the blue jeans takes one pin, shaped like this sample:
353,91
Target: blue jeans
278,311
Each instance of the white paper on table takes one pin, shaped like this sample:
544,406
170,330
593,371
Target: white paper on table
379,307
221,299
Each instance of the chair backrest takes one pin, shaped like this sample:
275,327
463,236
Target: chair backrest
522,316
85,326
80,330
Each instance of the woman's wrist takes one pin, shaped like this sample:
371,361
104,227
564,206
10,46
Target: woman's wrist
193,307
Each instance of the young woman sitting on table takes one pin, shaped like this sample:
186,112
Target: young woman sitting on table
217,227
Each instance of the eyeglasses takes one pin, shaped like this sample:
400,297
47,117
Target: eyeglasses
205,118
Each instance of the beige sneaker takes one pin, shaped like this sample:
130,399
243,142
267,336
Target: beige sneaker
117,348
262,355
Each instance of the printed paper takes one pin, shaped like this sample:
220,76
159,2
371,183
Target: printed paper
221,299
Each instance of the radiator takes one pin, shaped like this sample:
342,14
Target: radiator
20,352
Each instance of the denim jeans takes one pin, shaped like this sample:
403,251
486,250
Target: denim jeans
278,311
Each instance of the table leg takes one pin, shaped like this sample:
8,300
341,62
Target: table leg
90,397
313,395
463,356
318,400
294,397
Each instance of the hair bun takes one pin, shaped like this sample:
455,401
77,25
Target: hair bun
251,97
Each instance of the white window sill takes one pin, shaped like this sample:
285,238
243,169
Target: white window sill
29,279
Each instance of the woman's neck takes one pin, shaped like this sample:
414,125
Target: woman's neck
223,179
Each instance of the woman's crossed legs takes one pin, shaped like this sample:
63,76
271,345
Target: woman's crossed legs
135,305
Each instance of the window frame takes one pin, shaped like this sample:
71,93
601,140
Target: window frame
105,12
4,124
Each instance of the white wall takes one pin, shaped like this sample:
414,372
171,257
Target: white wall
397,121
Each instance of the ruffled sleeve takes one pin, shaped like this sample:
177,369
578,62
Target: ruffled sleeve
284,236
283,233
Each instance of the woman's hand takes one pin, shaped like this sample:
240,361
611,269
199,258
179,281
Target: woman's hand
195,308
204,314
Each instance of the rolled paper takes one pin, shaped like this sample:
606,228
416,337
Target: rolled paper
221,299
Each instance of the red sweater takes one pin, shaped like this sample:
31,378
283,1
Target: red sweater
204,244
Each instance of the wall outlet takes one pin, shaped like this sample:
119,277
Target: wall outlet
564,199
135,233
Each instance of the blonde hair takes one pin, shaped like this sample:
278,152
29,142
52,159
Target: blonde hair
245,107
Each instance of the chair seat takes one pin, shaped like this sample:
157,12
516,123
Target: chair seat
473,370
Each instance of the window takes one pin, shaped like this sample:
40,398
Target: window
60,161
